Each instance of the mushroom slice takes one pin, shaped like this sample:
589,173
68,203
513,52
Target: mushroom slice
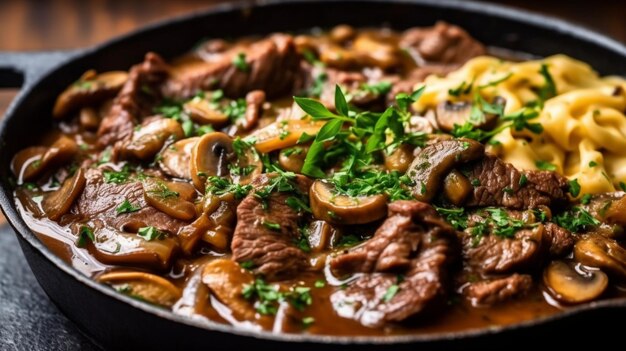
145,286
89,118
60,201
400,159
292,159
574,284
210,157
117,248
175,158
91,88
449,113
32,162
375,52
226,280
150,138
456,187
596,250
164,197
434,161
283,134
320,235
204,112
342,209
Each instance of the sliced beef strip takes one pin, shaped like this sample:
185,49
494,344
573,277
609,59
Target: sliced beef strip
272,253
527,249
493,254
424,279
134,101
441,44
490,292
273,65
499,185
100,199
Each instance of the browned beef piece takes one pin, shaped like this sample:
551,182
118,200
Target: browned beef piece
272,252
272,66
134,101
490,292
422,262
442,44
527,249
495,254
100,199
499,185
559,240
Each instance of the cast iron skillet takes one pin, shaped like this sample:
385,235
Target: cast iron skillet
119,322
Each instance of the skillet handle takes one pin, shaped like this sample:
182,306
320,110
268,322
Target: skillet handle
19,69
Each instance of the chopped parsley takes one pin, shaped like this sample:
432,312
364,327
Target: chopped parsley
115,177
240,62
163,191
268,297
545,166
221,186
461,89
380,88
523,180
576,220
495,82
320,284
392,184
455,216
592,164
574,187
391,292
307,321
126,207
548,90
151,233
85,234
271,225
585,199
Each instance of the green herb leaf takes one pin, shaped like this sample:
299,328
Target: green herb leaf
240,62
576,220
548,90
271,225
340,102
574,187
314,108
545,166
391,292
150,233
85,234
126,207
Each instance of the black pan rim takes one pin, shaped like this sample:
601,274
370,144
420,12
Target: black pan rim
542,21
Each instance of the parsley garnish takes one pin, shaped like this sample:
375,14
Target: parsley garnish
307,321
585,199
548,90
240,62
495,82
271,225
592,164
268,297
85,234
126,207
545,166
574,187
576,220
455,216
163,191
380,88
461,89
391,292
150,233
220,186
523,180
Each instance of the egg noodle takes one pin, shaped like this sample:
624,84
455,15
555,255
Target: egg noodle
584,126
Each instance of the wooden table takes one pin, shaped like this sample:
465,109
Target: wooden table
66,24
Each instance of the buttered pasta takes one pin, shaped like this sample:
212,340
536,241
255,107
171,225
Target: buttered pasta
584,126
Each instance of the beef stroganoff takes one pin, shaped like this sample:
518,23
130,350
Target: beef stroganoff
340,182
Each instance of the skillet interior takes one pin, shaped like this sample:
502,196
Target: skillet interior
109,317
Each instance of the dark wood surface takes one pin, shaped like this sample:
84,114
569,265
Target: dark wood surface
66,24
